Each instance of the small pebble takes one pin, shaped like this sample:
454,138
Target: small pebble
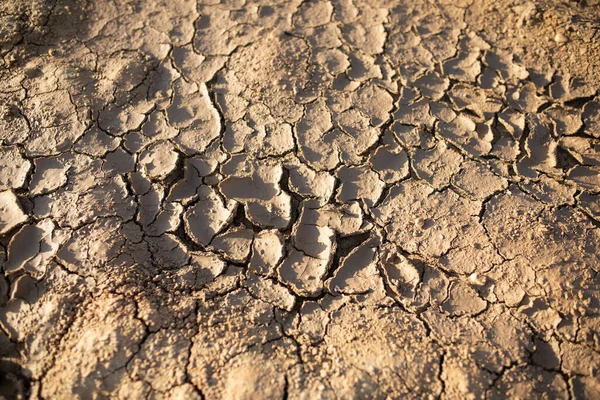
560,38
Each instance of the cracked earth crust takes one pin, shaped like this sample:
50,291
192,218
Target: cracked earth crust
299,199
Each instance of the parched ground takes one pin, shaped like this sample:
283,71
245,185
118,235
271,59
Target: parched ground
299,199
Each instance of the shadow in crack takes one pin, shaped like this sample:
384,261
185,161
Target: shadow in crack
13,384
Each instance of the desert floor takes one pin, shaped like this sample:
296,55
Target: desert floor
331,199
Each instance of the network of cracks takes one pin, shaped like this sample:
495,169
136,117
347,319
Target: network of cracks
305,199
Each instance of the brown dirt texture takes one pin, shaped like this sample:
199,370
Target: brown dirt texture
305,199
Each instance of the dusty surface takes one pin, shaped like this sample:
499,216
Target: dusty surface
299,200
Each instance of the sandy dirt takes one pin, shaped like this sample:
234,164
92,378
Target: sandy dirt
337,199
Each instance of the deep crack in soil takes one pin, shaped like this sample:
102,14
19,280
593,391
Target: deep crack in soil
299,199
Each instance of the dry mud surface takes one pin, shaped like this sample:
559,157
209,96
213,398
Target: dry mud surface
299,199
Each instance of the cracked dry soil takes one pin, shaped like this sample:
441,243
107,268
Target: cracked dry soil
299,199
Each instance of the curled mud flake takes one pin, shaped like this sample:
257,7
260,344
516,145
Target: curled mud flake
271,139
203,268
26,288
312,235
168,252
193,113
463,132
118,120
14,168
358,272
401,275
226,282
186,189
464,67
513,121
363,67
267,252
566,121
525,98
502,64
276,213
32,247
415,114
354,136
591,118
154,129
587,178
375,103
310,132
432,85
463,300
159,160
359,183
390,165
584,387
157,127
313,240
257,187
235,244
411,136
303,274
567,88
208,216
119,162
345,220
149,205
473,99
309,183
232,106
582,150
540,149
11,213
590,203
167,220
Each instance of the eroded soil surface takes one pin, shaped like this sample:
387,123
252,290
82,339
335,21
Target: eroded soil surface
299,199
